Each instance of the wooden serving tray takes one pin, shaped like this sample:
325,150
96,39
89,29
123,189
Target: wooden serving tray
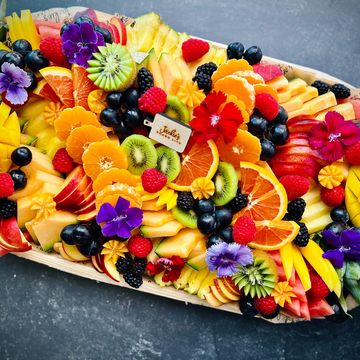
86,270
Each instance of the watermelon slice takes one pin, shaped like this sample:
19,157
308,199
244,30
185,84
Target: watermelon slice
46,23
267,71
299,290
276,257
47,31
294,308
356,105
319,308
304,310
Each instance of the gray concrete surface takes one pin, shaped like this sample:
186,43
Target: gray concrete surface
46,314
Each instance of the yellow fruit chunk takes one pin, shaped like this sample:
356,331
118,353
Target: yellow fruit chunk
52,112
309,93
287,259
346,110
30,29
170,73
4,113
296,86
190,94
330,176
352,195
202,188
278,83
10,131
293,104
301,268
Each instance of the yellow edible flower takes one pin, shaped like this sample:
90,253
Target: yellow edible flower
113,249
330,176
190,94
282,292
202,187
52,112
44,206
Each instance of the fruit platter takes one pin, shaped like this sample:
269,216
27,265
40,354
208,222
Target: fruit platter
139,156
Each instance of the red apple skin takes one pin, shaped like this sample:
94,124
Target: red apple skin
3,251
121,29
116,34
9,230
95,264
104,269
282,169
230,282
90,207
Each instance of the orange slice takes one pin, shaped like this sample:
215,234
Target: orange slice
114,175
263,88
239,87
201,161
244,147
103,155
45,91
80,138
82,86
229,68
70,119
267,198
273,235
251,77
97,101
61,81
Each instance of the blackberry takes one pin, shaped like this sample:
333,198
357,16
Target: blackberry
322,87
145,80
123,265
341,91
295,209
208,69
302,238
8,208
185,201
204,82
237,203
139,266
133,280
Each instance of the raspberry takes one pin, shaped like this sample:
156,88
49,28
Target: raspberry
322,87
333,197
295,185
51,47
6,185
318,289
139,246
244,230
352,154
267,105
153,180
194,49
265,305
62,161
153,101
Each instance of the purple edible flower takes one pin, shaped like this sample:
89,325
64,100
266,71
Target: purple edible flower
80,42
346,245
13,82
119,220
225,258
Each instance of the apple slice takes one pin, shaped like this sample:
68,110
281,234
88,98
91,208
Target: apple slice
64,254
109,268
73,252
87,216
10,232
224,290
3,251
219,295
212,300
120,26
95,264
88,198
230,284
85,210
116,34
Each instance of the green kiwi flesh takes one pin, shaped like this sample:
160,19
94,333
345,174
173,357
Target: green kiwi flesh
226,184
168,162
187,218
176,109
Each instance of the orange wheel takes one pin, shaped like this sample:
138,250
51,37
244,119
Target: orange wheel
82,86
263,88
103,155
80,138
229,68
112,176
72,118
97,101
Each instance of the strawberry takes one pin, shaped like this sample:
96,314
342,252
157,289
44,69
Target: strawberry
244,230
295,185
153,101
265,305
139,246
267,105
51,47
333,197
153,180
194,49
62,161
318,289
352,154
267,71
6,185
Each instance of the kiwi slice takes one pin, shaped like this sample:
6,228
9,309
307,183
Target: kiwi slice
112,68
226,184
141,153
176,109
168,162
186,218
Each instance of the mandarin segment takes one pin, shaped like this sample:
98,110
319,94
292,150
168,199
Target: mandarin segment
97,101
267,89
251,77
229,68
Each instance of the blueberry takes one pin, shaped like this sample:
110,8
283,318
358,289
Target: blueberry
33,80
278,134
21,156
204,206
339,315
122,130
257,125
223,217
235,50
105,33
247,306
132,118
19,178
109,117
281,117
82,235
253,55
268,149
35,60
67,234
21,46
84,19
335,227
2,53
13,58
113,100
131,97
339,214
214,240
92,248
206,223
64,28
227,234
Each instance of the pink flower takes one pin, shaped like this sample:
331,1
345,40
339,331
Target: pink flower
332,136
